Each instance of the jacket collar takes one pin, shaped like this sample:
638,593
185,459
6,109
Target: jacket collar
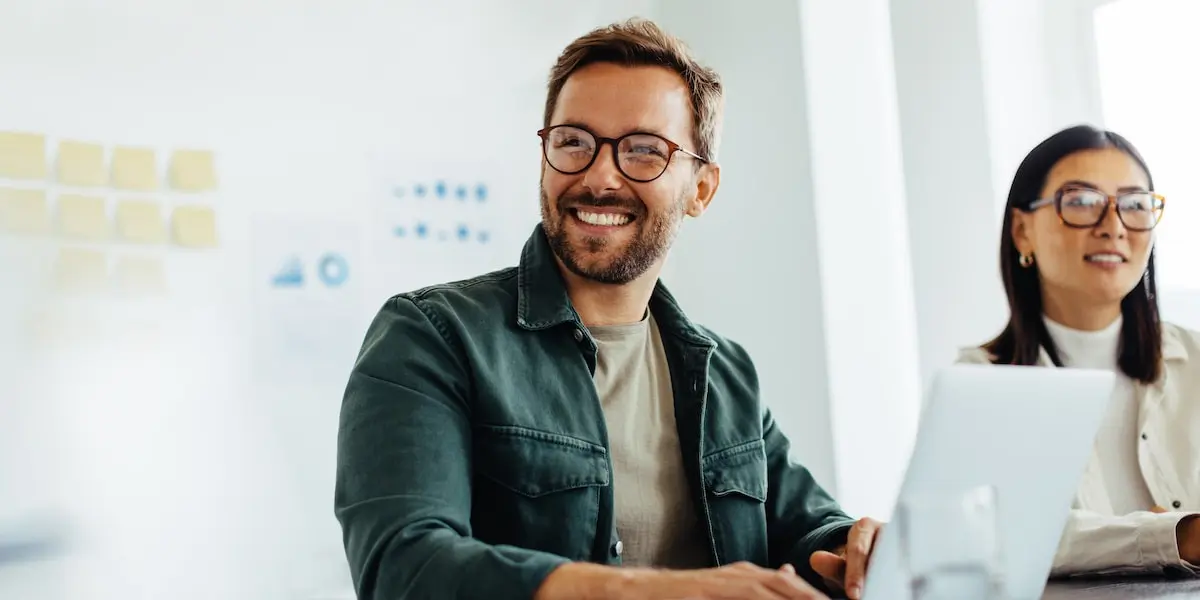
542,300
1173,348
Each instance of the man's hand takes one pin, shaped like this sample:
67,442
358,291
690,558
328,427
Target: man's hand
846,568
1187,534
740,581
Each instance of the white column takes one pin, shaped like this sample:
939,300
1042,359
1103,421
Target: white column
1019,115
953,221
866,276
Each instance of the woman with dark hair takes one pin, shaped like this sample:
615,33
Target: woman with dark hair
1077,258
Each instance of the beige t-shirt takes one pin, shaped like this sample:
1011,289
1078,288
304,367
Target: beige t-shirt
656,519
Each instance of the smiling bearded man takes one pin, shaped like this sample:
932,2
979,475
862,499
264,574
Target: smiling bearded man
561,429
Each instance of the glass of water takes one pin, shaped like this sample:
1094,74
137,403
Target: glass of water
951,545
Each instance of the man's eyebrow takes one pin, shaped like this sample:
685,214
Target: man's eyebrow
572,123
636,131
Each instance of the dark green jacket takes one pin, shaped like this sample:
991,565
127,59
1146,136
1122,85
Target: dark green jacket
472,450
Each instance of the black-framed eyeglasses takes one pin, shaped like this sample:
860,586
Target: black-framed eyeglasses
641,157
1084,207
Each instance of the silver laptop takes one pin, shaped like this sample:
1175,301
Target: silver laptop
999,453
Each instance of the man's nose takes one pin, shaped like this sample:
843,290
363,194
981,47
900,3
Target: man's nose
603,176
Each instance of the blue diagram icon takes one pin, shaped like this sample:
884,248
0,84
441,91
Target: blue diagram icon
290,275
333,270
470,195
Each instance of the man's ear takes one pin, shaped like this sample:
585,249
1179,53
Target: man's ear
707,182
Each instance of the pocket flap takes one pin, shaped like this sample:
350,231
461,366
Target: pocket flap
534,463
741,469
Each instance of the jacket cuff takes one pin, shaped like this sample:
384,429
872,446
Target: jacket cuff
826,537
1158,543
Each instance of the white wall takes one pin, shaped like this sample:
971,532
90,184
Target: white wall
198,475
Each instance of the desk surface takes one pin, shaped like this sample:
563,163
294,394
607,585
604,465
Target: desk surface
1123,589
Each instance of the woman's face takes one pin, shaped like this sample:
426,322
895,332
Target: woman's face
1096,265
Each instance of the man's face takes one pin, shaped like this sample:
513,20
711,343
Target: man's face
602,223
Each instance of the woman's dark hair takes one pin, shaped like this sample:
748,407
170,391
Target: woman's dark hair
1140,350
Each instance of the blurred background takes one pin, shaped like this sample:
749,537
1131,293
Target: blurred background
202,205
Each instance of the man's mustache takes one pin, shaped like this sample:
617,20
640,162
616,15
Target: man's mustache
632,206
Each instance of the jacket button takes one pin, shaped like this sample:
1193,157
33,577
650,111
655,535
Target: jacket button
1176,504
1145,437
578,335
618,548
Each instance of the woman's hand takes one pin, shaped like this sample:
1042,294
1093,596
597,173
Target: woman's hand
1187,533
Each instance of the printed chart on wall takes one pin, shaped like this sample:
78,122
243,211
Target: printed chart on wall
309,316
442,221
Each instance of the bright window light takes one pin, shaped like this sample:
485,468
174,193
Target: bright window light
1147,51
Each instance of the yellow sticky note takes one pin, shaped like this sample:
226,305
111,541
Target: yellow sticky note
140,275
24,211
22,155
83,217
134,169
80,270
193,171
140,221
81,164
194,227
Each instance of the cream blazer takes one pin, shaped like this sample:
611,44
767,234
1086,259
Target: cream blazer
1096,541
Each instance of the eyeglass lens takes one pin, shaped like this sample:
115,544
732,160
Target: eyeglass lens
641,157
1084,207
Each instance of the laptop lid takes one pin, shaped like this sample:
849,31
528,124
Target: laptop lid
1024,434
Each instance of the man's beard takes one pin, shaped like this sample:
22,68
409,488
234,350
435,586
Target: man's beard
652,239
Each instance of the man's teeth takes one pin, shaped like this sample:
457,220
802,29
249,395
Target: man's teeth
1105,258
609,219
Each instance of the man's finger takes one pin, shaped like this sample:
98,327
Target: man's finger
1158,509
830,566
858,549
789,585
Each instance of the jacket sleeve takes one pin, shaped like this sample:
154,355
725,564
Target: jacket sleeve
403,481
1136,543
802,517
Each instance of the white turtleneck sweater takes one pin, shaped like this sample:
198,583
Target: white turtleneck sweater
1117,440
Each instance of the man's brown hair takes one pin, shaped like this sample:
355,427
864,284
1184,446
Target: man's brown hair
640,42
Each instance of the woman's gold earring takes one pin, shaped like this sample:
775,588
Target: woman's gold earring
1026,260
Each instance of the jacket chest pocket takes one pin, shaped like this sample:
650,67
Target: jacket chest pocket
735,481
537,490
